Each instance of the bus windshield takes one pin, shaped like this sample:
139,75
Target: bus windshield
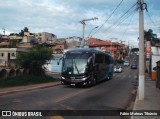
74,64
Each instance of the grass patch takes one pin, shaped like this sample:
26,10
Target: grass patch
25,80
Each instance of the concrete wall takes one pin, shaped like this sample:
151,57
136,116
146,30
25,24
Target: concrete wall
4,72
155,56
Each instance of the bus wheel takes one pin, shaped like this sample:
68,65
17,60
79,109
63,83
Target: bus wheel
111,75
93,80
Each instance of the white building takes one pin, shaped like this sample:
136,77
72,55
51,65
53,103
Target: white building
28,37
73,42
155,56
7,54
45,37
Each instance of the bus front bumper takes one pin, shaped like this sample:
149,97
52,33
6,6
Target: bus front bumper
75,81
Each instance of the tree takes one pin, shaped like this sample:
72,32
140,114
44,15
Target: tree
21,33
150,36
26,29
35,59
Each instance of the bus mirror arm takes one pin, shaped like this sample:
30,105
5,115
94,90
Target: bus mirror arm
58,61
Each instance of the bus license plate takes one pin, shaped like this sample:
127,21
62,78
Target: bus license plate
73,84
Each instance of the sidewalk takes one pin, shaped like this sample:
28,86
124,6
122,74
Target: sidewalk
5,91
151,101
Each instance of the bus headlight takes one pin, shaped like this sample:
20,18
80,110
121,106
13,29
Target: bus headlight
62,77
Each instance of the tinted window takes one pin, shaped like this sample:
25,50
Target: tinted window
107,59
99,58
111,60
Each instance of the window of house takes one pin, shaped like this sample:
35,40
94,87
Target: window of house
13,54
2,54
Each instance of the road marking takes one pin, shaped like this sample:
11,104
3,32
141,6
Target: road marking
67,107
70,95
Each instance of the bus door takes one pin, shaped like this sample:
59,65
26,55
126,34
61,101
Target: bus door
100,68
107,62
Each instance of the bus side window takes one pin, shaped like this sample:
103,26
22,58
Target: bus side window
99,58
107,59
111,60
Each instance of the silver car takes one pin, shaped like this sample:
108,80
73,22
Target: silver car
118,68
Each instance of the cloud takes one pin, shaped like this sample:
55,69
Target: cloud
62,17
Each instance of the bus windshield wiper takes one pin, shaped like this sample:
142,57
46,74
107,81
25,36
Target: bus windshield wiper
76,66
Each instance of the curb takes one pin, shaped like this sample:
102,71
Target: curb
31,88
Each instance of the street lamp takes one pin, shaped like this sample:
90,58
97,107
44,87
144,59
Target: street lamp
92,30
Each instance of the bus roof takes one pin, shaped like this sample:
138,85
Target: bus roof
85,50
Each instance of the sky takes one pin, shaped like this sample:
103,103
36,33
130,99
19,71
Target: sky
62,18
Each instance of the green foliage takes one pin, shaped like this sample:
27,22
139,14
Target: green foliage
21,33
150,36
26,29
35,59
25,80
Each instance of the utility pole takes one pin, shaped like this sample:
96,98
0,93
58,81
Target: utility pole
83,23
141,51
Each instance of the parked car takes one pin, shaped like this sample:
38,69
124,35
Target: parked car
134,66
118,68
126,63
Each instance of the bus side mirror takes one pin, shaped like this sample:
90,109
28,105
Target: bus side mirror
58,61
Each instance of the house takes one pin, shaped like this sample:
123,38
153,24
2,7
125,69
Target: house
73,42
44,37
28,37
116,49
155,56
6,56
59,45
4,42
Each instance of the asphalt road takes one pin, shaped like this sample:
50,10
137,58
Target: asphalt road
114,94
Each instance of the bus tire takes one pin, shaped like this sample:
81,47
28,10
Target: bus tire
92,81
111,76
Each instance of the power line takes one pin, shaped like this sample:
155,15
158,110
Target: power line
128,26
109,17
151,19
120,17
121,21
